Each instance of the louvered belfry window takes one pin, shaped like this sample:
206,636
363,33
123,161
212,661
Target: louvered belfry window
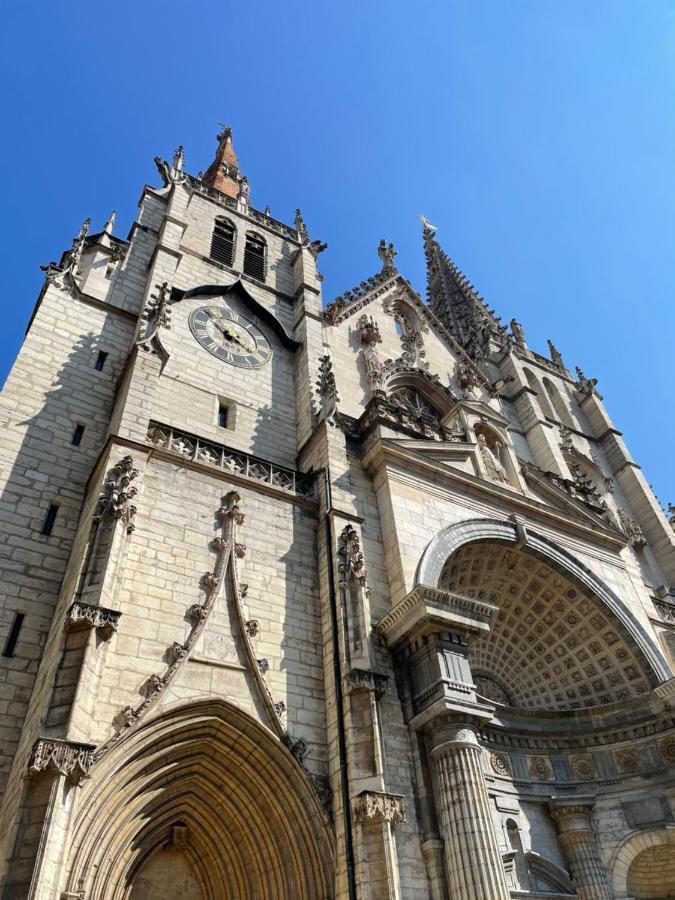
254,256
222,242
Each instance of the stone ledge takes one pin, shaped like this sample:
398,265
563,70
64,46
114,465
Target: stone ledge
426,610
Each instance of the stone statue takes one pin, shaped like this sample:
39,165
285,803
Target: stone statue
492,459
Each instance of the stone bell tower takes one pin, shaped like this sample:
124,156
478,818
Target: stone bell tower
356,600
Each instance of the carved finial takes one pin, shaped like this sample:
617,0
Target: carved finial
387,254
428,230
326,388
566,439
179,159
224,133
300,227
369,330
585,385
671,515
556,356
351,564
110,223
267,212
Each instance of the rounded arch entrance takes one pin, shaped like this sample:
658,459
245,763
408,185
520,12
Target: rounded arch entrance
205,795
561,639
644,866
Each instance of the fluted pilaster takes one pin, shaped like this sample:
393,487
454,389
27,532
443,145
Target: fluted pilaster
473,862
580,848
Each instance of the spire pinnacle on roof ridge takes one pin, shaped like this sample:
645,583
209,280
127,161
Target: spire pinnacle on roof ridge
223,174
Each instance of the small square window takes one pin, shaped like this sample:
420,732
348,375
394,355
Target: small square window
100,361
76,439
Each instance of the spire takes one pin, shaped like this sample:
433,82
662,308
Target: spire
110,223
455,302
223,174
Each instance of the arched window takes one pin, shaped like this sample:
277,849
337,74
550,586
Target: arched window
541,396
556,398
254,256
222,242
415,405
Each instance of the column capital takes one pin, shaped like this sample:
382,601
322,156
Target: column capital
375,806
572,813
63,757
453,730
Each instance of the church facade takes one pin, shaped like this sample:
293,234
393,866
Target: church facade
305,600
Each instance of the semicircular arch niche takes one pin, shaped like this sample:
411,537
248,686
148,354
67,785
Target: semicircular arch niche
210,794
553,644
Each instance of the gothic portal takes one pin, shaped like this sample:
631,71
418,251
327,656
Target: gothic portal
365,600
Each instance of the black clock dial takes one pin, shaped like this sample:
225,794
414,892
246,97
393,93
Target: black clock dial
230,337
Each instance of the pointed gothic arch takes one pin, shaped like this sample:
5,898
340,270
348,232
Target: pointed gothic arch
250,822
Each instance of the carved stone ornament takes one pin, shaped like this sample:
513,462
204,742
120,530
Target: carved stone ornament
627,761
326,388
157,315
467,378
500,763
671,515
566,444
365,680
84,615
63,274
583,767
631,529
65,757
351,564
373,807
387,254
517,334
171,174
539,768
252,628
410,327
667,749
556,356
114,502
368,330
491,457
585,385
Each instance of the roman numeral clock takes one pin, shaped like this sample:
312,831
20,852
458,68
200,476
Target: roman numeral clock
230,337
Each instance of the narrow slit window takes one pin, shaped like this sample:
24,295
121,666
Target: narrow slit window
13,636
254,256
222,242
50,518
222,416
76,439
100,360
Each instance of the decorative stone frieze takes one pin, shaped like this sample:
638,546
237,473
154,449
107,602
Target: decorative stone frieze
85,615
667,749
64,757
627,761
364,680
583,767
500,764
118,491
373,807
539,768
236,462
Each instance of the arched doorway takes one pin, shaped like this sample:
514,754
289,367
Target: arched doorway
201,803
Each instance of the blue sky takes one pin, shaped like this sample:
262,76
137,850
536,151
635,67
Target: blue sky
537,135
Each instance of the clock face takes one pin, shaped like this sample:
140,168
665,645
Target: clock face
230,337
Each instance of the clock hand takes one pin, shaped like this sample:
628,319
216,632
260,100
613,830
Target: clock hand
233,336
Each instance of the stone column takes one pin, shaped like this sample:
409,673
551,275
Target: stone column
472,857
580,847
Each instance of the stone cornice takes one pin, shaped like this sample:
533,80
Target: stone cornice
428,610
385,450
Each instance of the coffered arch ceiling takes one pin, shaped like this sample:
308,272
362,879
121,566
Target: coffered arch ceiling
554,644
